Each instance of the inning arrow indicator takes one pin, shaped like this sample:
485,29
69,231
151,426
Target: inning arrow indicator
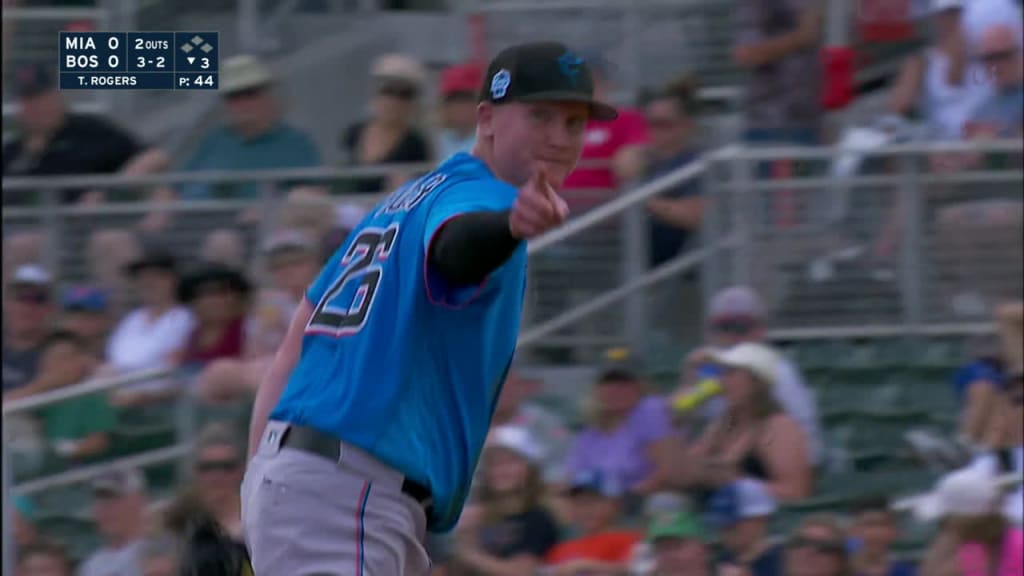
191,59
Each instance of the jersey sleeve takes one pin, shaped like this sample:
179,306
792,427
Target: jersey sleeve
461,198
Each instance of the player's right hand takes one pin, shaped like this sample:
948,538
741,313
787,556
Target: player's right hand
538,208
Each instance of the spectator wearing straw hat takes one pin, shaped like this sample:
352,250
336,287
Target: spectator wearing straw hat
254,136
388,136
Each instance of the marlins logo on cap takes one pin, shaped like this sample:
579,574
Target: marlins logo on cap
500,83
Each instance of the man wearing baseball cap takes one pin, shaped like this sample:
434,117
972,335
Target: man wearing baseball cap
381,396
460,86
595,500
680,546
53,140
119,505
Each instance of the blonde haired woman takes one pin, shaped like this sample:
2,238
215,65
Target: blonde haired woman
508,532
754,438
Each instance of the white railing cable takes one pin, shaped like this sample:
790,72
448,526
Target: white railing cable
675,266
618,205
86,473
88,387
207,177
51,13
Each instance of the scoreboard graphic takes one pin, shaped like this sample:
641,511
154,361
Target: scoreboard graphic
139,60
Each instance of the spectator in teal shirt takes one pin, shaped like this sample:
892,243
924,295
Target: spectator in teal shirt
255,137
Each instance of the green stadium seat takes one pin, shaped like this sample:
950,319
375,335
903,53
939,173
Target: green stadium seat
134,440
938,354
77,534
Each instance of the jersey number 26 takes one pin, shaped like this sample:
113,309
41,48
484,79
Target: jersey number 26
362,266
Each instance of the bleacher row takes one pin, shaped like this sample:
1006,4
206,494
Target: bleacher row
870,393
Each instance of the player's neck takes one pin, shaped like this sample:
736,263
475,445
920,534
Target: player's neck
486,155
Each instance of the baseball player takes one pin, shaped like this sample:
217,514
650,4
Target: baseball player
371,419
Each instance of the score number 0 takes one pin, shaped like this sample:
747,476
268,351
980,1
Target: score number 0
91,61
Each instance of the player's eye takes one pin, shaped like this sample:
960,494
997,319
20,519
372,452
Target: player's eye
540,115
576,124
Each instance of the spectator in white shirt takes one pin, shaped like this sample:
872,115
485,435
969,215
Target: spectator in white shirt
151,336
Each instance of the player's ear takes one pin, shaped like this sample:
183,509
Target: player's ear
485,118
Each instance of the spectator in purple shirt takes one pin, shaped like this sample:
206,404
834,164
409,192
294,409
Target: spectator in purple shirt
630,433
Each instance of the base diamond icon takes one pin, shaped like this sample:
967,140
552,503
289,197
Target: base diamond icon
186,48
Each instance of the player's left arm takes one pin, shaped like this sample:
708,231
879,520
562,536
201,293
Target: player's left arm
468,237
277,376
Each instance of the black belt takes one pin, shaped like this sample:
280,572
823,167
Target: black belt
329,447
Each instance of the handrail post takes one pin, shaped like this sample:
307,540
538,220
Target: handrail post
911,259
185,422
636,260
744,199
711,234
8,509
52,236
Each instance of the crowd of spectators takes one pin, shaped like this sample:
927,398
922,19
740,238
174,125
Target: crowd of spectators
687,483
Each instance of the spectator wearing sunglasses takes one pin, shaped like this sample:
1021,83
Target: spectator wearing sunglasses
389,135
1002,113
736,316
874,531
218,468
28,309
677,214
818,548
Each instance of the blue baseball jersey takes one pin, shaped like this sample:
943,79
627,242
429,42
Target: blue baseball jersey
396,361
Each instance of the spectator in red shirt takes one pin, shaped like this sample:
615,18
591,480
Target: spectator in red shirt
596,508
218,297
613,151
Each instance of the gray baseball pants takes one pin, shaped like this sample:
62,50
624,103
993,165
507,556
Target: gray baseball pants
304,515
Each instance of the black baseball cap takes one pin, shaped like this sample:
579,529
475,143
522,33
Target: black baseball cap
31,80
542,72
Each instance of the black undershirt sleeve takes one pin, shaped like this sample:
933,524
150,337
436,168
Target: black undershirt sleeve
471,246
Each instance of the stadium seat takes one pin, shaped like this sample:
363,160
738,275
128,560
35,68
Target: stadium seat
77,534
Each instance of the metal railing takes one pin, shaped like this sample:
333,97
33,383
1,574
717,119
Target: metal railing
82,474
737,243
30,37
889,245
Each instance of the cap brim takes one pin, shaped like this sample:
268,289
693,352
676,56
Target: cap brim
598,110
925,507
